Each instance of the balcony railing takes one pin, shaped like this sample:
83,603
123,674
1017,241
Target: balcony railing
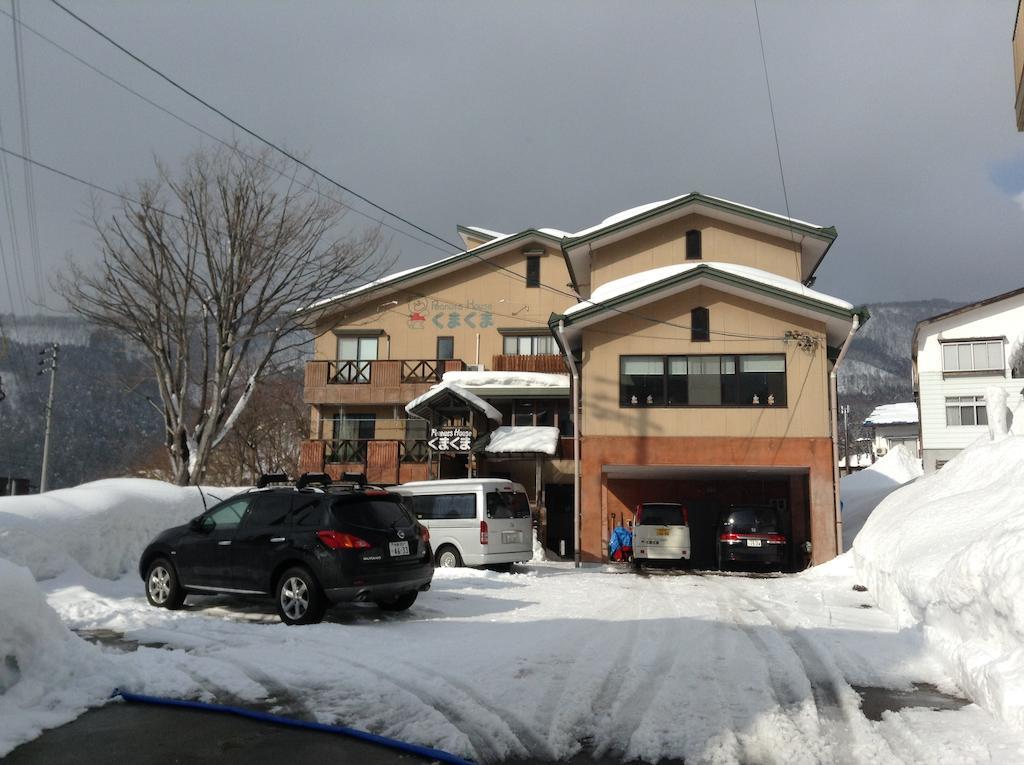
386,381
551,363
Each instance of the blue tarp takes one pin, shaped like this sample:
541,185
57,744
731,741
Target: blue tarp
620,546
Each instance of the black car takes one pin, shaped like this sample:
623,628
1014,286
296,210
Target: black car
751,534
308,547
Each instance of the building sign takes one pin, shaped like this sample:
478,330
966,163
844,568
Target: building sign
444,315
450,439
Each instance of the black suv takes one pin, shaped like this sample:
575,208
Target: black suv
306,545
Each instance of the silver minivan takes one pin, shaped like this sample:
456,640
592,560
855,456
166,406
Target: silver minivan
473,521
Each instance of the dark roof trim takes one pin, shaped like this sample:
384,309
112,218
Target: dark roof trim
705,271
342,332
826,233
958,311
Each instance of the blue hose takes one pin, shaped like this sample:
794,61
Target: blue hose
421,751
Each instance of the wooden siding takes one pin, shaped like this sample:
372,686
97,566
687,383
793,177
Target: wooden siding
550,363
382,462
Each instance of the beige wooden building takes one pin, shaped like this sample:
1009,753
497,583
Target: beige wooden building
703,361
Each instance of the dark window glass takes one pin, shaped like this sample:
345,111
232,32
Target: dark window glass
359,425
642,381
752,520
533,270
308,511
678,393
268,510
504,504
228,515
443,507
446,348
705,376
372,513
693,245
661,515
762,380
700,325
523,414
564,411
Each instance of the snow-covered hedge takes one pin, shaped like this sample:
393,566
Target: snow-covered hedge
103,526
947,552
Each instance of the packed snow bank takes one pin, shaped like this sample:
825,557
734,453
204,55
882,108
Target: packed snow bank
48,675
945,551
103,525
862,491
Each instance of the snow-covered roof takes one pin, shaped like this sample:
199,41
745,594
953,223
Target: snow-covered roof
904,413
634,282
526,439
498,381
485,231
468,396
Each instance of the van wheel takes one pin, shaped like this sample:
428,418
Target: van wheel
635,564
447,557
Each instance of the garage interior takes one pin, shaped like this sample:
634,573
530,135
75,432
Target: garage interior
705,491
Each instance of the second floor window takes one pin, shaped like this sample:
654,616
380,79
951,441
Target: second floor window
354,356
528,345
445,348
974,356
733,381
700,325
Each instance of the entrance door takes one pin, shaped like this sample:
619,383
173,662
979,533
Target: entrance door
561,529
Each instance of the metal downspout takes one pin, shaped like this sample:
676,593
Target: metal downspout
833,395
575,440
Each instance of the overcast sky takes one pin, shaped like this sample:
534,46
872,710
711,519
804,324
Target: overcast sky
895,120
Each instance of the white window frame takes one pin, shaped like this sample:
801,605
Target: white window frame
959,346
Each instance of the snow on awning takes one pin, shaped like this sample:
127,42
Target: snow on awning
492,382
472,400
525,439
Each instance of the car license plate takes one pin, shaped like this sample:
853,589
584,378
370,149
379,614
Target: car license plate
661,532
753,543
511,537
399,548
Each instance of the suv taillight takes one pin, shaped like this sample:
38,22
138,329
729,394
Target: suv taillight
483,532
424,533
776,539
339,540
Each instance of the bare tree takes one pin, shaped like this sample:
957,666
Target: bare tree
205,269
1017,359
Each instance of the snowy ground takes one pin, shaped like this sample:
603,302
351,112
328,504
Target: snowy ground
550,661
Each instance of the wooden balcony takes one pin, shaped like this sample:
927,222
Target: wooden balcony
550,363
382,461
395,381
1018,64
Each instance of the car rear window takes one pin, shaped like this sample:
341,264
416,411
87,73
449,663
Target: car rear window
751,520
661,515
307,511
507,504
372,513
443,507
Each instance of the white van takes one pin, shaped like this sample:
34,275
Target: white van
473,521
661,533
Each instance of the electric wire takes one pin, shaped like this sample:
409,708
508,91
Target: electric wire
348,190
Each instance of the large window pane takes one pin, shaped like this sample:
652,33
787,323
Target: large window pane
705,378
949,358
677,381
995,355
964,357
510,346
642,381
952,414
762,363
348,348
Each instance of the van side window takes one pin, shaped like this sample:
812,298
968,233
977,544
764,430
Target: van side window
507,505
443,507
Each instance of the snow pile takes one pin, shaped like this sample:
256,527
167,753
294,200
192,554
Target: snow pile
945,551
500,380
860,492
627,284
103,526
526,438
469,397
48,676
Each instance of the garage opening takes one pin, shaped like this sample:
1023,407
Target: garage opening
707,493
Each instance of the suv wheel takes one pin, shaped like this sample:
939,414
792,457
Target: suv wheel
162,587
299,599
447,557
401,603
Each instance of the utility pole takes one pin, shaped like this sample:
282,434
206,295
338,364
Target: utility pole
845,411
52,369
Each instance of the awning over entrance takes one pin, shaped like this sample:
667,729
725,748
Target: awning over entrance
422,405
526,440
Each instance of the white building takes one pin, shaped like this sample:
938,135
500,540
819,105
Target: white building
893,424
957,356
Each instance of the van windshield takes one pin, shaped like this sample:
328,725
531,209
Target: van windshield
505,504
750,520
661,515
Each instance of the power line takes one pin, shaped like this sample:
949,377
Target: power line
771,109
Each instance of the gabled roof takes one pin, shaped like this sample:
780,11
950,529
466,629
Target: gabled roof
420,405
814,241
632,292
957,311
412,276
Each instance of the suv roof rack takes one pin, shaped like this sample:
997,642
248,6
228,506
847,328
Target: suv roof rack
313,479
268,478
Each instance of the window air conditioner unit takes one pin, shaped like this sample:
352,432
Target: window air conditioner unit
474,367
880,451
